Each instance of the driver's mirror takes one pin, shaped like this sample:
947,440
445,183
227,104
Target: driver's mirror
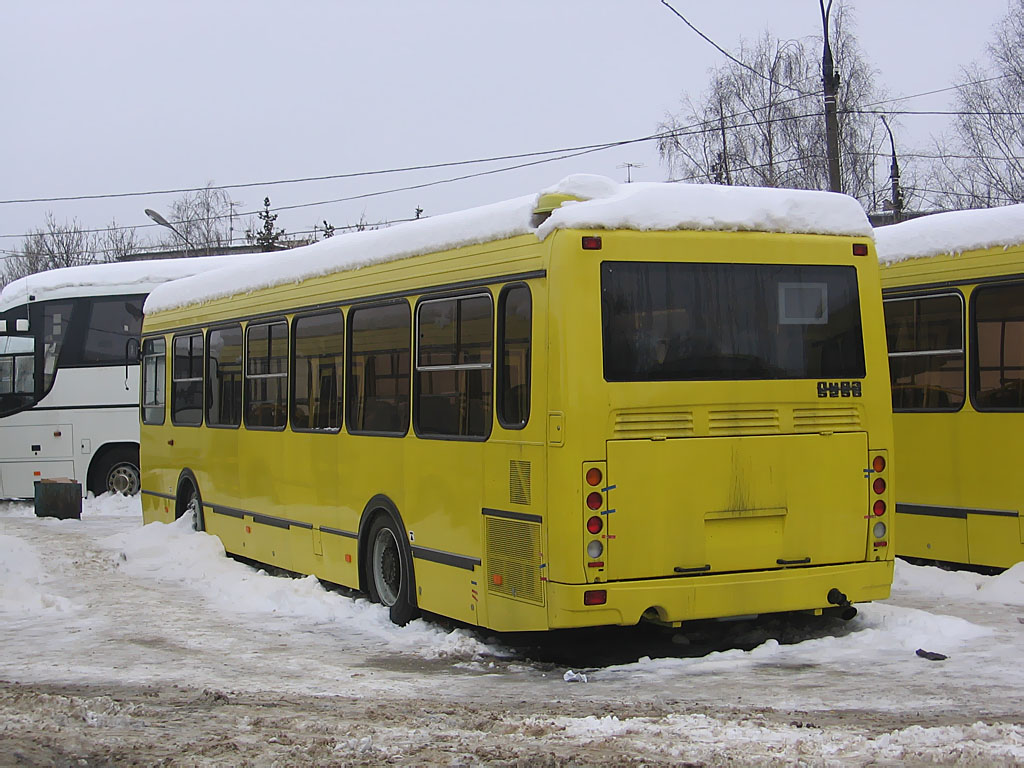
21,325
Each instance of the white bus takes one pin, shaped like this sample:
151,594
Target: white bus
69,364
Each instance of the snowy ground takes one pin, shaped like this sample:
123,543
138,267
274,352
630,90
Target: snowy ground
123,644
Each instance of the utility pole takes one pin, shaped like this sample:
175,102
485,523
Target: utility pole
830,82
894,177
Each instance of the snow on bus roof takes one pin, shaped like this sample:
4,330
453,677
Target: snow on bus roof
601,204
107,279
951,233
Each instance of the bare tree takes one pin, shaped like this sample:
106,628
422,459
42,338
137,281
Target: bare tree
118,243
53,246
205,220
982,162
760,122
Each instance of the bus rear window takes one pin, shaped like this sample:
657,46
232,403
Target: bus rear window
718,322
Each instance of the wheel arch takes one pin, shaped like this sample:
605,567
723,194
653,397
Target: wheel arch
185,477
383,505
99,456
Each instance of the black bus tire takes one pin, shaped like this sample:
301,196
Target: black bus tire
116,470
389,570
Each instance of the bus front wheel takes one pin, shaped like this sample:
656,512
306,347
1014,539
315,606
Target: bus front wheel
389,564
190,503
116,471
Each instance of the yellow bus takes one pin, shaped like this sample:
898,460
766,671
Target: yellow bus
592,406
953,286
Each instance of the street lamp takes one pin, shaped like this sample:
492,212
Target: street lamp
156,217
894,177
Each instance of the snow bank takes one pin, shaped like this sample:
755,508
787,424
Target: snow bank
951,233
603,204
756,740
879,630
100,279
22,581
177,554
936,583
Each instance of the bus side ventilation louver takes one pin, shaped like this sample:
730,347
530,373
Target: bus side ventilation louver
513,559
519,482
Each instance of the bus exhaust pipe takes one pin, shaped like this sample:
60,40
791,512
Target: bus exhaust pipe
845,611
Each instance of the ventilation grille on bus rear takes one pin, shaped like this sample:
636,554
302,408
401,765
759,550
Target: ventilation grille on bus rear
513,559
639,424
743,422
519,482
825,419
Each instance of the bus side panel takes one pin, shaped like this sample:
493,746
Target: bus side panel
994,540
932,538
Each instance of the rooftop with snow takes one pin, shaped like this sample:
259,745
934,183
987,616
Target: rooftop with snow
599,203
106,279
951,233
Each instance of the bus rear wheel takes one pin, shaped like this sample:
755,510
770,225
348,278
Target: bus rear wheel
116,471
389,570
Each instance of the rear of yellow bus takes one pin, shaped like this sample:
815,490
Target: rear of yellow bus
719,426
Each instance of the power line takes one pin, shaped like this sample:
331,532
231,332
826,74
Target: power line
732,58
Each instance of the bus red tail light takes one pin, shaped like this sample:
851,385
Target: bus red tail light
878,485
594,501
879,508
595,597
595,524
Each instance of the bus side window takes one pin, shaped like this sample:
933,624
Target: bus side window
454,369
187,380
266,375
378,369
224,377
154,380
515,315
318,343
998,380
926,352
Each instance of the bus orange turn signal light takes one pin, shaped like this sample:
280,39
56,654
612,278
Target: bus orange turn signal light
591,243
595,524
878,485
594,476
595,597
878,464
879,508
594,500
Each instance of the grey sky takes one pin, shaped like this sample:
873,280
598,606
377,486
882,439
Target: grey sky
109,96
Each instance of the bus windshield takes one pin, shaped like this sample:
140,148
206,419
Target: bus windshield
710,321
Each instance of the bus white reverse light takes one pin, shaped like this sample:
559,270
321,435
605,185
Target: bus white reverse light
879,530
595,549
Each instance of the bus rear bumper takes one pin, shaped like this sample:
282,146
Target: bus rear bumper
717,596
